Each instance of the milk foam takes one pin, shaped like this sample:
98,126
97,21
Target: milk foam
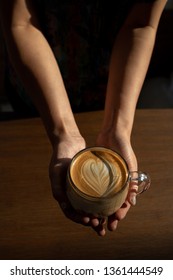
99,174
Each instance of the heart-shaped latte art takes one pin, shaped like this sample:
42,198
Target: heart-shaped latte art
99,175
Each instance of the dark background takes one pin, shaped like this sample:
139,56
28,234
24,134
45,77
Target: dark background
157,91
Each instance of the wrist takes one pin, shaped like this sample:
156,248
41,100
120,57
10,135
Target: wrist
71,136
113,139
119,129
118,123
61,129
67,145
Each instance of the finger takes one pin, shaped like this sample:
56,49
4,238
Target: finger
86,219
122,212
112,222
132,194
100,230
98,225
94,222
118,216
132,199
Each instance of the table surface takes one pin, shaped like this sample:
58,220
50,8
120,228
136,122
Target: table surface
32,225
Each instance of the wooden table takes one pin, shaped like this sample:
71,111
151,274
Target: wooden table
32,225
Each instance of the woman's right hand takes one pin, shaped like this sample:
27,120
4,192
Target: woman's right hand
63,152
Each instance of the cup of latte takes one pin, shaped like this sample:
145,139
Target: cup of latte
98,181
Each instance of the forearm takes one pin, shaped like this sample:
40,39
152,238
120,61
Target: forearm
128,66
39,72
35,63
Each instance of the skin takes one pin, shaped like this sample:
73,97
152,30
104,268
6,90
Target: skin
35,63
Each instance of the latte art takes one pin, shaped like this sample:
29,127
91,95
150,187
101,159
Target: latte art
98,174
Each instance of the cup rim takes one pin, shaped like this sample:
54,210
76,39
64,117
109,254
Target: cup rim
90,148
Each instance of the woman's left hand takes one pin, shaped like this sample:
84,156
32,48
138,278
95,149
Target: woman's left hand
123,146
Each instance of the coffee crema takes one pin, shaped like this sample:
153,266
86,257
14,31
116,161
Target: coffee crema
99,172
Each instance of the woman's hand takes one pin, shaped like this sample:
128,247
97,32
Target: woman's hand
63,152
122,145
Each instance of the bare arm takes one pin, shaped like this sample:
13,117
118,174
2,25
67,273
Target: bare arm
128,66
35,63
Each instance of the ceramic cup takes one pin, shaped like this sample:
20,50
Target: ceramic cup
98,181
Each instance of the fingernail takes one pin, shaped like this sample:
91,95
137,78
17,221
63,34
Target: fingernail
113,226
133,200
86,220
